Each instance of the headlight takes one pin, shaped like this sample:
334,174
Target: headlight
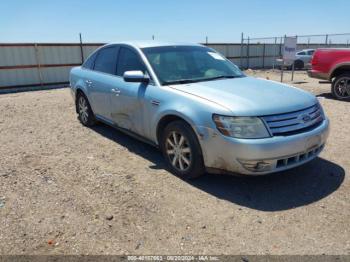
241,127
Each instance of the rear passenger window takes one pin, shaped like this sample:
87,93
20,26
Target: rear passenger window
106,60
129,61
89,63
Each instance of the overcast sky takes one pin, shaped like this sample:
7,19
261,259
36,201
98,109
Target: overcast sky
177,20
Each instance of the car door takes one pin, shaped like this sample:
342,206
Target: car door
102,80
127,101
302,56
309,55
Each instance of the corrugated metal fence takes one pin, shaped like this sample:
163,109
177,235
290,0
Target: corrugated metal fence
23,65
28,65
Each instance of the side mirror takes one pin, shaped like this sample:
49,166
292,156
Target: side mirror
136,77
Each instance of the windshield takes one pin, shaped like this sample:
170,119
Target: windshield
189,64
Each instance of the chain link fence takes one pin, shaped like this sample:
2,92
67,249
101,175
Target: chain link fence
263,52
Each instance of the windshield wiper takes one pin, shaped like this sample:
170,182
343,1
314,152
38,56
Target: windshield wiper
219,77
187,81
180,81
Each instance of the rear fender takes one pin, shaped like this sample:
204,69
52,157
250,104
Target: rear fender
339,66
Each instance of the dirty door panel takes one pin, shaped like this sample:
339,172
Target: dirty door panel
127,100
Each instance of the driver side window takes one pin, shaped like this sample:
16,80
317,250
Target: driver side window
129,61
105,60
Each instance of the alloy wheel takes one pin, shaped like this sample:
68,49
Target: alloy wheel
178,151
342,87
83,109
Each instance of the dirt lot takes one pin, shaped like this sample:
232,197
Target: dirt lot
67,189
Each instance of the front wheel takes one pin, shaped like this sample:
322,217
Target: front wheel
341,87
182,151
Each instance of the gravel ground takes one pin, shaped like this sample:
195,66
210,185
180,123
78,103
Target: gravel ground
67,189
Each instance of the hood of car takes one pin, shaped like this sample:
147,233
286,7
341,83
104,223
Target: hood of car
248,96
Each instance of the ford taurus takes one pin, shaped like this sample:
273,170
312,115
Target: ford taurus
198,108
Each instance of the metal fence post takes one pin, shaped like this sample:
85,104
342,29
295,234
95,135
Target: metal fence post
326,40
280,51
263,57
248,53
282,65
274,54
38,63
81,49
293,65
241,55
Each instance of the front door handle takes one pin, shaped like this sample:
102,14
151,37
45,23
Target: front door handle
116,91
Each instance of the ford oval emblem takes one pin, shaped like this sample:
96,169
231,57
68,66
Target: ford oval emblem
306,118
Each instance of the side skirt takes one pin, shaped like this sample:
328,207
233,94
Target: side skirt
126,131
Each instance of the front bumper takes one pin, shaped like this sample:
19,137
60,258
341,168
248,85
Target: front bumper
227,154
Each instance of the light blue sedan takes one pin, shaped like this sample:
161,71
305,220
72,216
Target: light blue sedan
199,109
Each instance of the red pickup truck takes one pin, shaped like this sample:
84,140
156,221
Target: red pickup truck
333,64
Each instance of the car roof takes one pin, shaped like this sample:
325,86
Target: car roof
305,50
153,43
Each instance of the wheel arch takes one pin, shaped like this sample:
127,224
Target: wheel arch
167,119
78,91
339,70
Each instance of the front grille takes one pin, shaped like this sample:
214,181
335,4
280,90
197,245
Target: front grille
299,157
295,122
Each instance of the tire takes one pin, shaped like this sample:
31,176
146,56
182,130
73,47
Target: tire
85,114
339,90
179,142
298,64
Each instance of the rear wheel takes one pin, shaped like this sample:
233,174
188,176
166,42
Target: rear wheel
341,87
86,116
298,64
182,151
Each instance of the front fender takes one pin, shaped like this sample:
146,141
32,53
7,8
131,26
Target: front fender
180,114
197,112
201,123
198,121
